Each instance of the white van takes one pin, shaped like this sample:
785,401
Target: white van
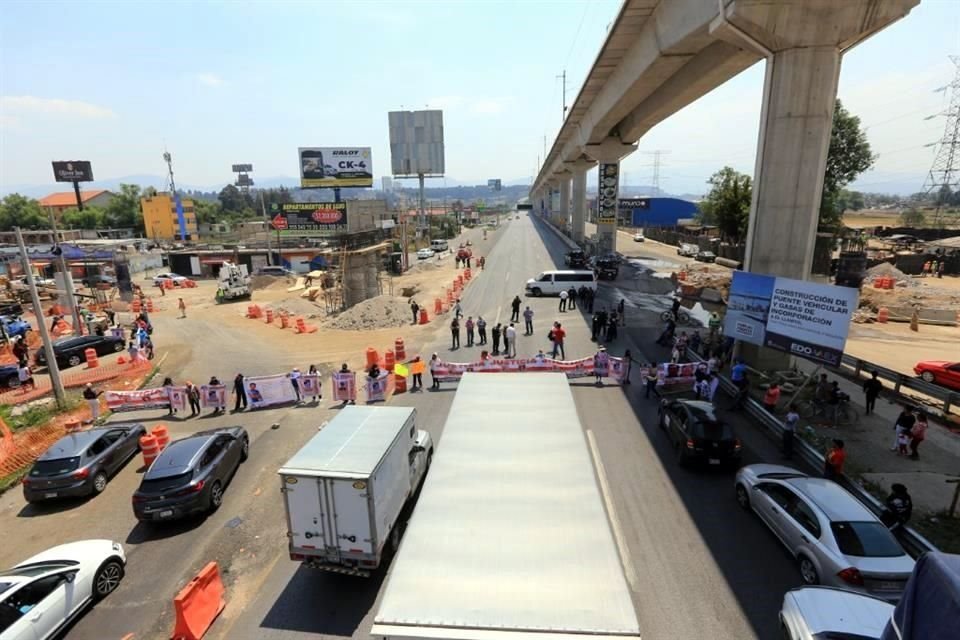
551,283
438,245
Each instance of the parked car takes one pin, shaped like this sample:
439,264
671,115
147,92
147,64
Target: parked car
424,254
606,268
820,613
160,278
705,256
40,596
688,250
575,259
638,237
697,433
11,308
190,475
69,352
837,541
81,463
9,376
93,281
940,372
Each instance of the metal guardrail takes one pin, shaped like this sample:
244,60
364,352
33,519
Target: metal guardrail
900,380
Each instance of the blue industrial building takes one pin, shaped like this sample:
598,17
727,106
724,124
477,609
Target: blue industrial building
655,212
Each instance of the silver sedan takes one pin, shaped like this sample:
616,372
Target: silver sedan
837,541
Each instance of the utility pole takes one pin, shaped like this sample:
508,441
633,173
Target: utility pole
67,277
563,116
42,326
266,220
944,176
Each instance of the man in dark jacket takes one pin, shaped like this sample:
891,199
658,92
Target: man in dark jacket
872,389
455,333
515,306
496,339
240,392
899,506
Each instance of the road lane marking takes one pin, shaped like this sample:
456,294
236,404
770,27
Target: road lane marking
499,309
625,558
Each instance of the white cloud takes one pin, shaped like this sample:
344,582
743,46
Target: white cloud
209,79
28,105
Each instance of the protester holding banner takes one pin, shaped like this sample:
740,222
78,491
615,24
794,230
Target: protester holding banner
416,368
435,361
238,390
168,385
601,365
295,382
215,395
345,385
193,396
313,374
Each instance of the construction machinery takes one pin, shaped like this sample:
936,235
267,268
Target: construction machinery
234,282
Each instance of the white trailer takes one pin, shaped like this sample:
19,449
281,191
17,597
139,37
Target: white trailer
510,539
346,489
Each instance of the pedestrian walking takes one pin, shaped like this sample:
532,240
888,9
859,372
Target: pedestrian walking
563,300
163,292
415,308
193,397
771,397
496,339
433,364
903,425
651,380
482,330
469,324
833,463
528,321
899,506
417,377
621,306
455,333
790,430
510,341
917,435
572,298
92,396
872,388
183,308
457,310
714,383
515,307
241,394
559,334
483,262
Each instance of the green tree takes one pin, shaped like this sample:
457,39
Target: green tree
233,201
89,218
20,211
911,217
728,203
207,212
848,157
123,211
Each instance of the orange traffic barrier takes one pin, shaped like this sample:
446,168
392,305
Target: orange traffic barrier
121,360
460,281
284,320
424,318
91,356
303,327
372,357
466,274
72,425
162,436
135,305
150,305
449,296
269,314
253,311
168,284
890,282
437,306
399,350
389,360
399,384
149,448
883,314
198,604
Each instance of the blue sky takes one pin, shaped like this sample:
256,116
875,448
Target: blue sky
219,83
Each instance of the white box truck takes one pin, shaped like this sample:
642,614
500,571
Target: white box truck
346,489
510,538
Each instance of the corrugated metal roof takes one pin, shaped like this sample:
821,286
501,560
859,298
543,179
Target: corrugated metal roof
352,443
510,532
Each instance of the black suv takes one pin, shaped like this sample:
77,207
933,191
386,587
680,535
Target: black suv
576,259
606,268
696,433
69,352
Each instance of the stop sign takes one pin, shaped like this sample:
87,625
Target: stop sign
279,222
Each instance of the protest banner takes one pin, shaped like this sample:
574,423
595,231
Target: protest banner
583,367
310,384
377,388
159,398
345,386
214,396
264,391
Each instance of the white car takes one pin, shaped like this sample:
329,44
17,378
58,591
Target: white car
424,254
177,280
812,613
638,237
41,595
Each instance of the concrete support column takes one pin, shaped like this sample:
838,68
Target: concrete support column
564,208
608,154
577,225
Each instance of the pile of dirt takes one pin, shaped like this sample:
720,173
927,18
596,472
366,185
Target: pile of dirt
424,265
298,307
268,282
381,312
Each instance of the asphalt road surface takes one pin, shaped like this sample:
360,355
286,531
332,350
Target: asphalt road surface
698,567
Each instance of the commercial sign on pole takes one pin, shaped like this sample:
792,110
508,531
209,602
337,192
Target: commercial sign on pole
332,167
309,218
609,190
802,318
73,171
416,143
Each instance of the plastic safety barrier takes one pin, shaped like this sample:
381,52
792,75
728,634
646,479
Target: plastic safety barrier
198,604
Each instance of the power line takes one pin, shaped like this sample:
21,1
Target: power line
655,179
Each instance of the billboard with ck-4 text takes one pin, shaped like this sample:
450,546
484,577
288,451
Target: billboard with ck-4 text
315,219
802,318
329,167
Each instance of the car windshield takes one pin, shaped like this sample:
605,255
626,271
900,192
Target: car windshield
43,468
865,540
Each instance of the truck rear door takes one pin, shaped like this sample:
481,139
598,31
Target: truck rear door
351,500
307,515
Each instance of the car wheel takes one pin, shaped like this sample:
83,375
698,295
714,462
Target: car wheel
808,572
216,496
743,498
74,360
245,450
928,376
536,292
99,482
13,382
107,578
117,347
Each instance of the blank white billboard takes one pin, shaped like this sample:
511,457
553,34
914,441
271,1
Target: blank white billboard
416,142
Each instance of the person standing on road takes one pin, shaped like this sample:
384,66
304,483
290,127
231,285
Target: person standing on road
183,308
714,381
903,425
917,435
312,371
790,430
416,310
940,269
433,364
601,361
92,396
833,463
510,341
591,295
595,326
563,301
872,389
417,378
455,333
193,397
621,306
168,387
469,324
295,382
627,366
572,297
482,330
651,380
457,310
515,307
528,321
558,335
496,339
241,402
771,397
612,327
483,262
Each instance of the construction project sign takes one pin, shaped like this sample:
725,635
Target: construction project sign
314,219
334,167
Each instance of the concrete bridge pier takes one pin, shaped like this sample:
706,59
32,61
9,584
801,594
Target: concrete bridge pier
608,154
579,218
564,208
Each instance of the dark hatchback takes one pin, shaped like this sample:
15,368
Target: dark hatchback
696,433
81,463
190,475
69,352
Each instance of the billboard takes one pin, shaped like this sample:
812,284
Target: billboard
309,218
609,190
802,318
73,171
242,168
416,143
330,167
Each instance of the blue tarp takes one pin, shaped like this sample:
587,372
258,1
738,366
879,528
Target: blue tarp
930,607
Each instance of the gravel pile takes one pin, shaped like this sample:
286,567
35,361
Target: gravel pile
381,312
887,270
269,282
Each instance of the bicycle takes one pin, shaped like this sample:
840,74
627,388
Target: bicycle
845,413
682,317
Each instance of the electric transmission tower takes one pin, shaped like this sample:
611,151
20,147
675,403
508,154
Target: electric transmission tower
655,180
944,176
